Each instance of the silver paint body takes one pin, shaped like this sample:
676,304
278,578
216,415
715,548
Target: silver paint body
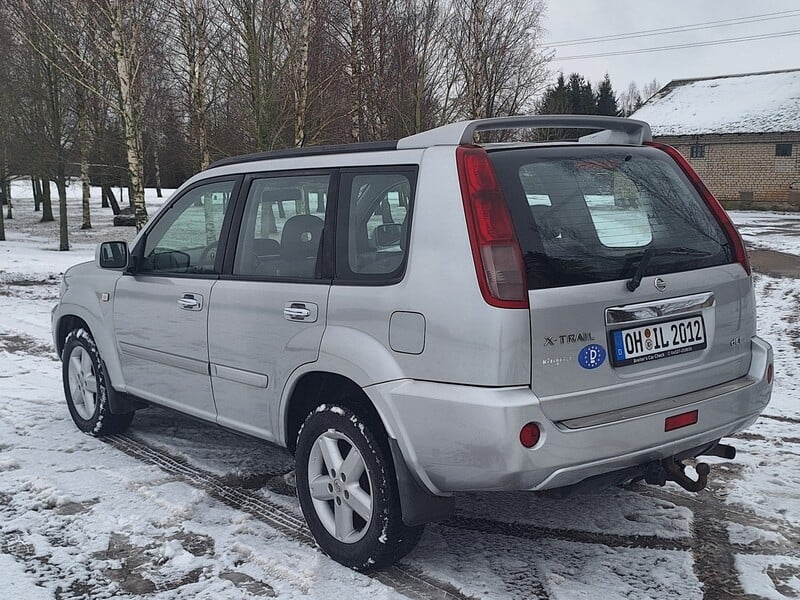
452,378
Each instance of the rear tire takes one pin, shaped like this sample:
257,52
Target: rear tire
86,387
348,490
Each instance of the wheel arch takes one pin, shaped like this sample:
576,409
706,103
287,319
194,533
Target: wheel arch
71,316
310,389
64,325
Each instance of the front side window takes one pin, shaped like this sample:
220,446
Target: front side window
186,238
783,149
376,207
282,227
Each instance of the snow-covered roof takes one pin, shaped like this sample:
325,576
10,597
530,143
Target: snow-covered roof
747,103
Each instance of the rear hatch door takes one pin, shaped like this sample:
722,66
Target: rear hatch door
634,292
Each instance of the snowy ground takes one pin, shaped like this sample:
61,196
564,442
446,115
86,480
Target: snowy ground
179,509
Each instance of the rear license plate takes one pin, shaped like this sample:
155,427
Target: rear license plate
660,340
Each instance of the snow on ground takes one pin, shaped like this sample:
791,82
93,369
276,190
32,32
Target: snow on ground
773,231
212,515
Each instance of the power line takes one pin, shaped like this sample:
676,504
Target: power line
680,46
678,29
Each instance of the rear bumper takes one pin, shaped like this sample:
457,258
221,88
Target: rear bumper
460,438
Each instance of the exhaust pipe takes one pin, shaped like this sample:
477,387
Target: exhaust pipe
672,469
721,450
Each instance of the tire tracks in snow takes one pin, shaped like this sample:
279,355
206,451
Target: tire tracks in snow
713,552
405,580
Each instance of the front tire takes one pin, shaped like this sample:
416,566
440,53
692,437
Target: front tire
86,387
348,491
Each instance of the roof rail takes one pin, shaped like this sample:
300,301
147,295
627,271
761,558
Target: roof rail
306,151
614,130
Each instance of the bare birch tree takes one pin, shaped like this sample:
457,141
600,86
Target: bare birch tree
192,51
126,28
257,66
496,52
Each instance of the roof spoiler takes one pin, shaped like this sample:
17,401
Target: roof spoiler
613,130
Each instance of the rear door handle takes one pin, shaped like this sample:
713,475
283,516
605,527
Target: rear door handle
191,302
300,311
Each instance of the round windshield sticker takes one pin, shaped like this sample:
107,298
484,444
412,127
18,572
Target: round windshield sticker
592,356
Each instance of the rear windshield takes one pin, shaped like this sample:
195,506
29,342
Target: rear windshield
589,214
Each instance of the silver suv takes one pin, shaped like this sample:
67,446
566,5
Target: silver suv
418,318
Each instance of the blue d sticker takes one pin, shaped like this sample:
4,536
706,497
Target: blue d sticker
592,356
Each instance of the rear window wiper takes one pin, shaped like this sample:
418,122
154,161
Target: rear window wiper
648,254
636,280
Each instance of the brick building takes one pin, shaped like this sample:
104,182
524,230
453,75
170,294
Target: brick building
741,133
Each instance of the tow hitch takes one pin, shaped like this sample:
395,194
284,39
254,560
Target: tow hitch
673,469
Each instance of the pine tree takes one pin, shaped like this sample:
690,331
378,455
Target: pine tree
555,100
606,99
580,95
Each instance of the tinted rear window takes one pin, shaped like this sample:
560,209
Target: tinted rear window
588,214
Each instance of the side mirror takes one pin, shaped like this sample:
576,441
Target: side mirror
112,255
387,235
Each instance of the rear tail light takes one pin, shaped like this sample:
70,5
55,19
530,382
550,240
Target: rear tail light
495,250
739,252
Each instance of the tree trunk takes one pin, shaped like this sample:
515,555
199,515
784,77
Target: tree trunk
110,198
47,205
301,206
130,116
208,213
200,87
301,103
355,70
7,195
270,215
36,184
85,189
2,226
254,65
63,231
157,166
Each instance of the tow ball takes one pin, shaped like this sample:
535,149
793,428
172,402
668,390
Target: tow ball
673,469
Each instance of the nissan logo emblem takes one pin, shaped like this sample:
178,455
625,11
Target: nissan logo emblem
660,284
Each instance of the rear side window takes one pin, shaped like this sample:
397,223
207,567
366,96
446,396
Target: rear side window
374,216
587,215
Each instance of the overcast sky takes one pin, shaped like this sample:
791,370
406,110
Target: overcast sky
574,19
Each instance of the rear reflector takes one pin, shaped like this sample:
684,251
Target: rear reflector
739,252
682,420
495,250
770,373
529,435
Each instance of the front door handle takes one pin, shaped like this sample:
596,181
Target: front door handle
191,302
300,311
